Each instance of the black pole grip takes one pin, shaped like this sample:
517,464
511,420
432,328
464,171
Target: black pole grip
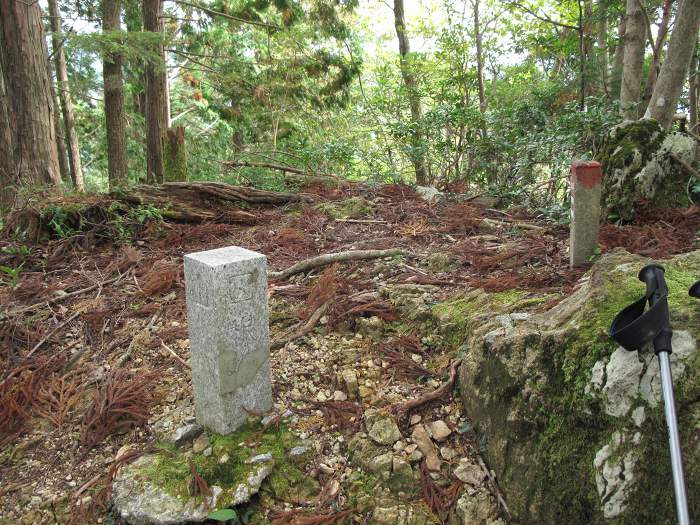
695,290
657,292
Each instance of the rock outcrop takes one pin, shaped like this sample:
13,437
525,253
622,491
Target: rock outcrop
638,163
572,424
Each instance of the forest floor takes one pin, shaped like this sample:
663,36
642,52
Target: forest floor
83,324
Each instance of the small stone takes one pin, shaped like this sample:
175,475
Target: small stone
326,469
439,430
321,396
401,476
385,431
399,445
200,444
469,472
260,458
426,446
415,456
381,465
410,448
224,458
207,452
415,419
339,396
120,454
297,451
351,385
448,453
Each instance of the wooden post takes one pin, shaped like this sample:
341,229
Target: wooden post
586,177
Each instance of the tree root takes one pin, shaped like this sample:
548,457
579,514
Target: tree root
438,393
329,258
304,329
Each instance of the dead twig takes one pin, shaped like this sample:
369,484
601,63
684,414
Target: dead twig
438,393
50,333
305,328
177,357
494,487
329,258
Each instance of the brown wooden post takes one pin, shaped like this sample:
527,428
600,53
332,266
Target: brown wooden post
586,177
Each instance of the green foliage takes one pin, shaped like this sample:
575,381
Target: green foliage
12,273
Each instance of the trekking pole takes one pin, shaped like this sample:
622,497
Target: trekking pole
633,328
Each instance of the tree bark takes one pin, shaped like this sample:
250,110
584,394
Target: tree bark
7,153
409,80
60,139
618,60
28,107
59,55
602,45
669,85
480,66
115,120
156,118
694,91
174,155
656,60
635,40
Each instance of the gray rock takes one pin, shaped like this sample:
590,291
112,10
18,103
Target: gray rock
614,476
426,446
620,389
429,194
140,502
260,458
476,509
297,451
186,433
402,479
381,466
384,431
351,385
439,430
227,321
469,472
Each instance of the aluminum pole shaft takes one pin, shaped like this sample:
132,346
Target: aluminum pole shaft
673,440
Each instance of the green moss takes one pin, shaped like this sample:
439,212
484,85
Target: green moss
619,149
170,470
352,208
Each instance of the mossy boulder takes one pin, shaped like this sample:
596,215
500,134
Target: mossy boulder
159,488
352,208
573,425
639,170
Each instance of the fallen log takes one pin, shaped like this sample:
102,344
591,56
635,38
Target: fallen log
329,258
192,201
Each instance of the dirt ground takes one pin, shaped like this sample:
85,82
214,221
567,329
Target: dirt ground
86,323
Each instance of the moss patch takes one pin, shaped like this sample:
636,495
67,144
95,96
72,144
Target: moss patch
352,208
170,470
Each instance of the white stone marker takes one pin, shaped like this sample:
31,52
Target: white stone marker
228,326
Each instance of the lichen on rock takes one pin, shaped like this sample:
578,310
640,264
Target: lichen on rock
572,425
638,168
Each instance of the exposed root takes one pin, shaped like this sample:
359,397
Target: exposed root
442,391
329,258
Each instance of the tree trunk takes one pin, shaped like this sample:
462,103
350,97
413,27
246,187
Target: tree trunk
694,91
480,66
669,85
175,155
115,121
618,60
76,169
27,90
156,118
635,40
60,139
656,58
7,153
409,80
602,45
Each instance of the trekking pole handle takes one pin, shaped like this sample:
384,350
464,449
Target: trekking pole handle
657,290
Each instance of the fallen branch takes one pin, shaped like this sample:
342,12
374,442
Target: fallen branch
50,333
177,357
438,393
692,171
305,329
64,296
269,165
493,223
494,487
329,258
